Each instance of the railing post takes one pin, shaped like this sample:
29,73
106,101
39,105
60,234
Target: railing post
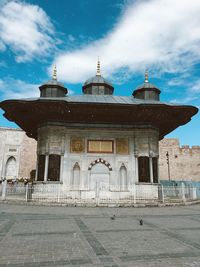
58,192
27,192
97,193
4,187
193,192
134,194
183,191
161,193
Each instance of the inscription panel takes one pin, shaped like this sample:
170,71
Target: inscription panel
100,146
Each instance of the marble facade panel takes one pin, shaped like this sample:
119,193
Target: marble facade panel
72,144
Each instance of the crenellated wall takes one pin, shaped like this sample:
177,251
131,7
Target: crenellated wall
184,161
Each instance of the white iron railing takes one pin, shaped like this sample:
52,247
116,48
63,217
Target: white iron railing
131,195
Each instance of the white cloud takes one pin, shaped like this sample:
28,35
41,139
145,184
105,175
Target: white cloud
12,88
71,38
15,89
184,100
162,35
195,88
25,29
191,93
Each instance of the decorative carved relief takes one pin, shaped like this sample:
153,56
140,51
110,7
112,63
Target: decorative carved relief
77,145
122,146
107,164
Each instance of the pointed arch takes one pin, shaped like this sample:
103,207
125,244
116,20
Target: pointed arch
100,160
123,178
75,183
11,167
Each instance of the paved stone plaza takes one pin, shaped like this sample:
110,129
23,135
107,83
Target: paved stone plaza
62,236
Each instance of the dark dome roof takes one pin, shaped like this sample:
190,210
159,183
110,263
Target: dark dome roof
52,88
146,85
54,82
97,79
147,90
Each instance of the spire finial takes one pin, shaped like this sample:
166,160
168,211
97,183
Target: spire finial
98,68
54,73
146,80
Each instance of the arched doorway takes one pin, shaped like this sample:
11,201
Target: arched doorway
99,175
11,168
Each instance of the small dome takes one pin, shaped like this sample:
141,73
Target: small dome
97,79
98,85
147,90
54,82
53,88
146,85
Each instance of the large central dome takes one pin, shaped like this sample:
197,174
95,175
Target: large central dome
98,85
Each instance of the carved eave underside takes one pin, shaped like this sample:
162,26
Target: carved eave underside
29,115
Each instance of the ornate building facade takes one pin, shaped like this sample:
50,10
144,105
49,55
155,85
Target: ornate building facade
17,148
97,142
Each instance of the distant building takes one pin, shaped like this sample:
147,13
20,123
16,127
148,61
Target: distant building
97,143
17,154
184,162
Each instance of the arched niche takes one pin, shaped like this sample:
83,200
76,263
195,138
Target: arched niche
75,182
11,168
99,174
123,178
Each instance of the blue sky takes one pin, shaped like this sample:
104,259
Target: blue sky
129,36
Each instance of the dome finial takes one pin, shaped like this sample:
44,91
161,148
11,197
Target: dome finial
98,68
146,80
54,76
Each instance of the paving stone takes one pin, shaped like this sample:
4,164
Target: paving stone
33,236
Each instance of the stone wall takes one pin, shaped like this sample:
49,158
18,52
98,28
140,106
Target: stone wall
28,156
17,153
184,161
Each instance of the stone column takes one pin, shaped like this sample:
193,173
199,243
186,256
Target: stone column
36,171
151,169
46,167
158,170
61,167
136,169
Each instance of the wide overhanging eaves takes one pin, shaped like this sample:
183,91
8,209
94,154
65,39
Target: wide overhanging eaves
30,114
